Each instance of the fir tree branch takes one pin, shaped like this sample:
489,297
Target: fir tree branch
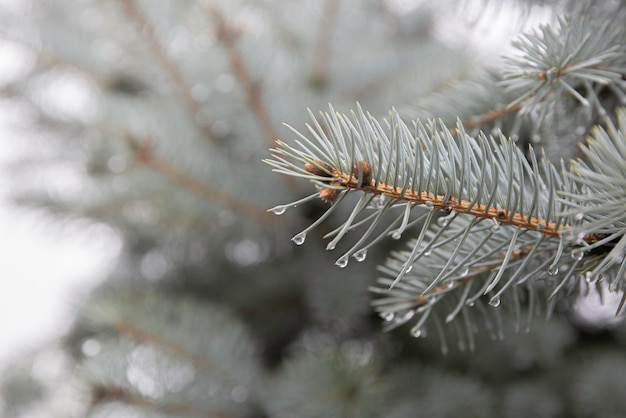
466,175
504,222
145,155
568,61
169,67
599,205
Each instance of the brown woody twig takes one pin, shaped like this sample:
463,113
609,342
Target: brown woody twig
169,66
146,156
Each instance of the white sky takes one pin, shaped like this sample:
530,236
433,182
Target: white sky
44,268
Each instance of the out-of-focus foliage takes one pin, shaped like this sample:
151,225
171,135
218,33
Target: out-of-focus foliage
161,112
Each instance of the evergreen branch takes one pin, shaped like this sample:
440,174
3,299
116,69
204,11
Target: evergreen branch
323,50
568,61
501,221
473,176
461,269
599,205
169,67
146,156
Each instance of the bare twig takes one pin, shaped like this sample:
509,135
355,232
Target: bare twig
171,69
111,393
145,155
228,35
478,270
490,116
177,350
324,41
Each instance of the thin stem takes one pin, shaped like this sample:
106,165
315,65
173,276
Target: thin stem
145,155
517,254
323,49
228,35
176,349
459,206
111,393
169,66
490,116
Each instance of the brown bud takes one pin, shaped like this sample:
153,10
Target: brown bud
319,168
329,195
366,168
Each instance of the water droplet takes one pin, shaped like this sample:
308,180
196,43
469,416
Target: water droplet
429,252
590,278
577,254
417,332
445,220
380,202
428,204
495,301
330,246
396,235
450,285
470,303
387,316
409,268
553,270
579,216
239,394
299,239
360,255
449,318
496,226
464,272
342,262
279,210
408,315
